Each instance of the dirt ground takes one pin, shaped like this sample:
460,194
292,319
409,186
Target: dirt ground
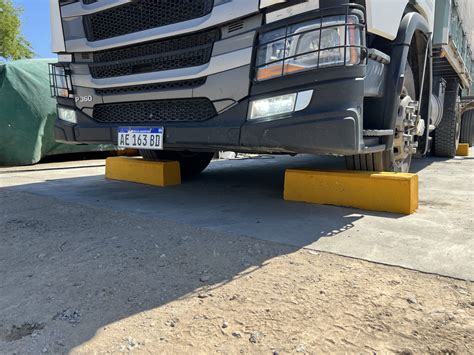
91,280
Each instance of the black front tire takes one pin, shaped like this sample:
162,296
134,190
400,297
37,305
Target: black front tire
467,128
446,135
385,161
381,161
192,163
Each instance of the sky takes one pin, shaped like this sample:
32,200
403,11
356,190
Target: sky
35,22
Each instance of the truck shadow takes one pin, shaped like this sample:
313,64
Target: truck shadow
95,252
423,163
243,197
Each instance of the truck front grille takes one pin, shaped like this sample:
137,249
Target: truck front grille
181,52
171,85
141,15
177,110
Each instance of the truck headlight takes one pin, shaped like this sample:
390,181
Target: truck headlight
320,43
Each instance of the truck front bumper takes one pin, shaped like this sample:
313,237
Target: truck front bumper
331,124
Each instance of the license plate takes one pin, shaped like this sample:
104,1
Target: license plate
140,138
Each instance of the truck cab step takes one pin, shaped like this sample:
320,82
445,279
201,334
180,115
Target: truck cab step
377,132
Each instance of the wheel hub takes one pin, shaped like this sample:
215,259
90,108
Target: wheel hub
409,125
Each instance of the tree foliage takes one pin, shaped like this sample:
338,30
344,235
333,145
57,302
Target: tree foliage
12,43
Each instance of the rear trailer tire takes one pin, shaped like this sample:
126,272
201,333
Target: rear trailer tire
399,158
446,135
467,128
191,163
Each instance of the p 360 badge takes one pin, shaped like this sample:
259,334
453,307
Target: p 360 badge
80,99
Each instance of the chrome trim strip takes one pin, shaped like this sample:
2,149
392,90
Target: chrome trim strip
79,9
226,12
303,100
64,58
217,64
268,3
292,11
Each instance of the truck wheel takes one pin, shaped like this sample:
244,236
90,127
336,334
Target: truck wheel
446,135
399,158
192,163
467,128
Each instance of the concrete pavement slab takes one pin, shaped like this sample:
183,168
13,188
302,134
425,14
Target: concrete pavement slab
244,197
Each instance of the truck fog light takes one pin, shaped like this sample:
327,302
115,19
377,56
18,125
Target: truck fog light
273,106
280,105
67,115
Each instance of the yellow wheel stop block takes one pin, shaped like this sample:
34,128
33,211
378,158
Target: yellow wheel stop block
156,173
463,150
384,192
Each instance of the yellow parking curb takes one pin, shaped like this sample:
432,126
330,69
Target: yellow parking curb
156,173
463,150
385,192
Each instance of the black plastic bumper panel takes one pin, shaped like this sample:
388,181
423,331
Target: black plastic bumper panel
332,124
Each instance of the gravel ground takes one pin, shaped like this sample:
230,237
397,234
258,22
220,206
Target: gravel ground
92,280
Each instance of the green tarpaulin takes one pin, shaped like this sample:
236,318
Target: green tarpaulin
27,114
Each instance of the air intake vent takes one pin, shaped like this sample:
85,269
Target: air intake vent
179,110
141,15
181,52
173,85
236,26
